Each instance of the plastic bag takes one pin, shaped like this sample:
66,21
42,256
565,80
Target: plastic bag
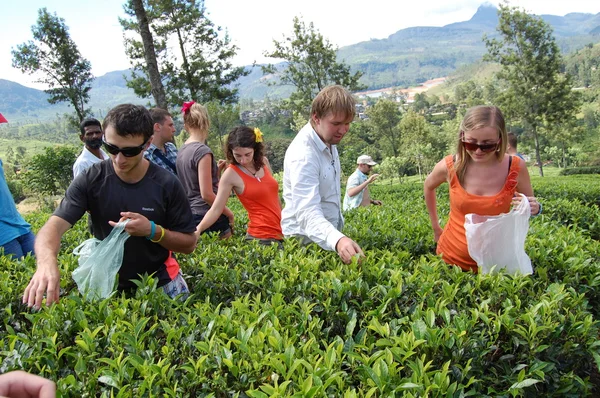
99,262
500,240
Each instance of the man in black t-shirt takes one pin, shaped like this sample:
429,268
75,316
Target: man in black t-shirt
127,186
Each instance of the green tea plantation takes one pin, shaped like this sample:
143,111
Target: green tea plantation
297,322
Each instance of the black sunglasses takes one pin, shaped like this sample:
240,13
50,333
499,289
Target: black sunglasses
471,146
127,152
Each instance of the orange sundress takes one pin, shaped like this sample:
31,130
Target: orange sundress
452,244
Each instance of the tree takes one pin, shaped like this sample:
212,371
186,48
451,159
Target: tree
384,116
223,118
55,55
536,91
52,171
148,53
311,65
198,67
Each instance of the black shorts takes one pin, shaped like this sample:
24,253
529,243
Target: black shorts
221,225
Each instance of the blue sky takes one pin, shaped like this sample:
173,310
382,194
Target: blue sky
252,25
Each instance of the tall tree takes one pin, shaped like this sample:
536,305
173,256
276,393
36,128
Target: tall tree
54,54
311,65
198,66
223,118
145,50
536,91
384,116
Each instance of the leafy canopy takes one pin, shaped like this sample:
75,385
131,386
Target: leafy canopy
311,65
54,55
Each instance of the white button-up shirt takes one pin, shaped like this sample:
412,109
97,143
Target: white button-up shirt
85,160
311,190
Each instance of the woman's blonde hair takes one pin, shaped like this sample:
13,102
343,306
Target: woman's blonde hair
479,117
197,118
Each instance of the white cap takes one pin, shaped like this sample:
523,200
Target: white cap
366,159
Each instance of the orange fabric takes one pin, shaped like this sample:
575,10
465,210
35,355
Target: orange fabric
453,241
261,201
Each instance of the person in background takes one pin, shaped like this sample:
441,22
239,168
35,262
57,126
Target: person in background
357,187
511,147
483,180
311,176
127,186
198,171
16,237
91,136
162,151
249,175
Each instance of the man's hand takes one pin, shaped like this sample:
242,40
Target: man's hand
372,178
138,225
347,248
45,280
376,202
26,385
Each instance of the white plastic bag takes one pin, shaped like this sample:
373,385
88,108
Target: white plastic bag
99,262
500,240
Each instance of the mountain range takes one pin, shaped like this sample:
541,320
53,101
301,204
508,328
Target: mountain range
406,58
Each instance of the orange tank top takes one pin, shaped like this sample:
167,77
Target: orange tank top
261,201
452,244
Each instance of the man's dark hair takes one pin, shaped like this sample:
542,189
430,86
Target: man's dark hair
90,121
130,120
159,115
512,140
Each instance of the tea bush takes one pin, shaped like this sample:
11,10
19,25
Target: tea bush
297,322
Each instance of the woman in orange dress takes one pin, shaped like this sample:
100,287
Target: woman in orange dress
483,180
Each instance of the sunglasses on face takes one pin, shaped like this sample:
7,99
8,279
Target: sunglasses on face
127,152
471,146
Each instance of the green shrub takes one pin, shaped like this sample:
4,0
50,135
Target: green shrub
580,170
298,322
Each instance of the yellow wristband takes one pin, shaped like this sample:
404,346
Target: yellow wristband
162,235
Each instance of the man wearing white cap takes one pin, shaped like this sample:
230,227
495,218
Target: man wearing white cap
357,188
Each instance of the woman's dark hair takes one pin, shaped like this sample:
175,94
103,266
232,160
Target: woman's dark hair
244,137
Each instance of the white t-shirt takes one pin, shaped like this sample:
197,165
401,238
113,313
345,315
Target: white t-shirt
85,160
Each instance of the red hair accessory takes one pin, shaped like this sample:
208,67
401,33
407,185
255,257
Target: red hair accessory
186,106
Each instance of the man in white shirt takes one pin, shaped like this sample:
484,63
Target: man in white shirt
357,187
311,176
91,136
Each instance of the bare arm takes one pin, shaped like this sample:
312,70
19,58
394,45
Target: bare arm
139,225
205,179
47,276
524,187
219,205
357,189
437,177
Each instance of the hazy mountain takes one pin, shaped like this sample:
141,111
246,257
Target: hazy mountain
405,58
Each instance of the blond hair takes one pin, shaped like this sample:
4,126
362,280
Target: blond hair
197,118
335,100
479,117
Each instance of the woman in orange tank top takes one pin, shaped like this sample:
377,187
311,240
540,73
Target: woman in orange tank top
483,180
249,175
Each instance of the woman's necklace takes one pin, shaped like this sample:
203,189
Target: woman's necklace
253,174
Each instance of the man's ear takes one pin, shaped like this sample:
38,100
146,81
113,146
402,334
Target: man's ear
149,141
81,138
156,127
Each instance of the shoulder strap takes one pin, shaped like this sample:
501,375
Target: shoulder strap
166,161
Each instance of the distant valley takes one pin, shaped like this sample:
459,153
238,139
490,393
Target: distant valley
406,58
